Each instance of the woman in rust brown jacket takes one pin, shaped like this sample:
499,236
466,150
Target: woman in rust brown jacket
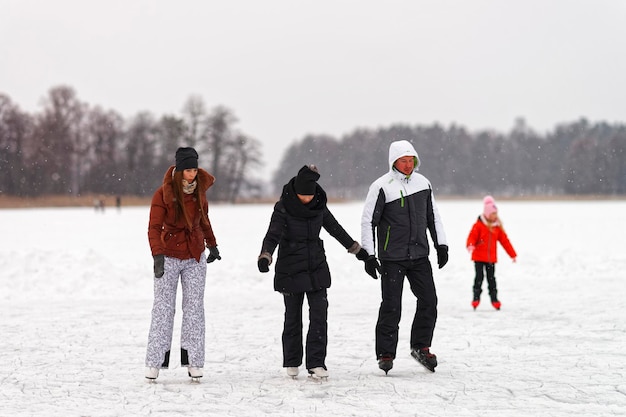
178,231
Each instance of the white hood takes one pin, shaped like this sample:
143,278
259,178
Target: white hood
401,148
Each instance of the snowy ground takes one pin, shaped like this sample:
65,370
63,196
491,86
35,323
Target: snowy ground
76,294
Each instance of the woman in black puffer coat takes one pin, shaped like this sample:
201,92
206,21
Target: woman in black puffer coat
301,268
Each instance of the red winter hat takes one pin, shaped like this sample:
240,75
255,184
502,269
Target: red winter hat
490,206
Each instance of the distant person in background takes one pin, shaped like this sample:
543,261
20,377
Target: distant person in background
118,203
98,204
400,207
482,245
178,231
301,268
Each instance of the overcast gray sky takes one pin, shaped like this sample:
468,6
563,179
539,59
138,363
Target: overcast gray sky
289,67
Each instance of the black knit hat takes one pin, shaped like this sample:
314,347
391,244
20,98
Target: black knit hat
305,183
186,158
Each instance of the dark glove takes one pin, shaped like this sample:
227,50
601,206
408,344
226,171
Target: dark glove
442,255
264,261
159,265
362,255
371,266
214,254
264,265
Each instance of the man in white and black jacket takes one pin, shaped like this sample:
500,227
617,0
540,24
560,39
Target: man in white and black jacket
398,210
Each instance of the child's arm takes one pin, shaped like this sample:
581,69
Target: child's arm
471,239
506,244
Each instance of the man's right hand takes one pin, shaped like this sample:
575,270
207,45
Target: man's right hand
372,266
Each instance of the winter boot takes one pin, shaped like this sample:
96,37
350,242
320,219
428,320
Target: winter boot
385,362
427,359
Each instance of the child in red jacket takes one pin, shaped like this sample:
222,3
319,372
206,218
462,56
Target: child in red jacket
482,245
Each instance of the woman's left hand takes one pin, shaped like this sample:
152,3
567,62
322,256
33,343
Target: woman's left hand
214,254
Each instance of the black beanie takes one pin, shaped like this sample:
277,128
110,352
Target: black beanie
186,158
305,183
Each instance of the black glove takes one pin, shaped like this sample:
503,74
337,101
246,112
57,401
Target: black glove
371,266
264,261
362,255
263,264
442,255
214,254
159,265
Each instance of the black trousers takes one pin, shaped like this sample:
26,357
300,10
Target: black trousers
482,269
317,335
420,276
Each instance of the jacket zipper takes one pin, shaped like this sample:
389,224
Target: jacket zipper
387,237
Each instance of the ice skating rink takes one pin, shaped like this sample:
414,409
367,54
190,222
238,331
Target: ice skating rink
76,294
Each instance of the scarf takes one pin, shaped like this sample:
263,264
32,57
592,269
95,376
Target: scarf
189,188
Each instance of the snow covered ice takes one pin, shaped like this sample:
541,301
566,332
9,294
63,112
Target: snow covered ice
76,295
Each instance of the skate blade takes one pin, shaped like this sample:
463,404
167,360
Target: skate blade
428,367
385,369
425,365
195,380
318,378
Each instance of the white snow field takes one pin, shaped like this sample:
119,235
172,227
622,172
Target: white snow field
76,295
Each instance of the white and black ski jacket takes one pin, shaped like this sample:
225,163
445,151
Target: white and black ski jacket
398,210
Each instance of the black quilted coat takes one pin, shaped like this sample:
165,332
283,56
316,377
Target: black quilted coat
295,228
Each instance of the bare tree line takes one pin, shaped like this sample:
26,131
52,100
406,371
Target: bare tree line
72,148
577,158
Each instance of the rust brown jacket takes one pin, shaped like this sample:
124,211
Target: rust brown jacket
174,238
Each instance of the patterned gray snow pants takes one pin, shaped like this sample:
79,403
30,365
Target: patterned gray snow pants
193,278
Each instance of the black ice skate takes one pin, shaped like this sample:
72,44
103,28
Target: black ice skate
427,359
385,363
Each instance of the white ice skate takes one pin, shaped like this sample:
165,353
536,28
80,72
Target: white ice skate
292,371
195,373
152,373
318,373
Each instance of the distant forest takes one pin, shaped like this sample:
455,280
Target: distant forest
577,158
72,148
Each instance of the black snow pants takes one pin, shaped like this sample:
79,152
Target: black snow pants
420,276
317,335
489,269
